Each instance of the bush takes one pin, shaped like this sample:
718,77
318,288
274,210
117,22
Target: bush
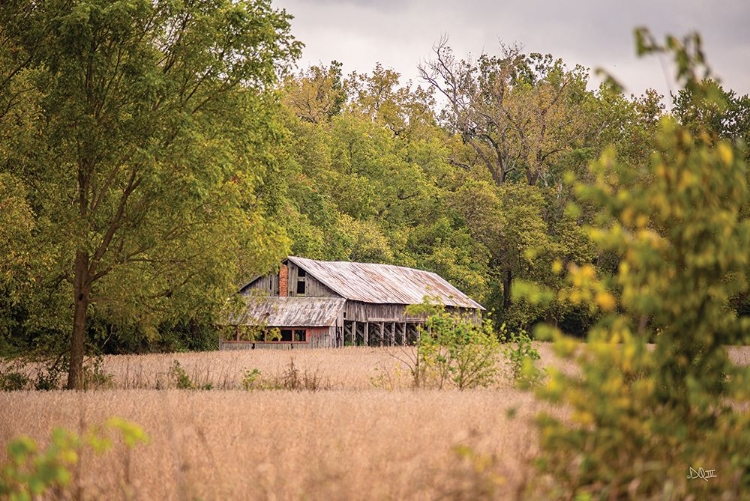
453,350
521,356
183,381
645,421
251,379
13,381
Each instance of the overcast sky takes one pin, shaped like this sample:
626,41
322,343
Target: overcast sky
400,34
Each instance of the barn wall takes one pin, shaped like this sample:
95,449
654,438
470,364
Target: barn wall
269,284
366,312
317,337
313,287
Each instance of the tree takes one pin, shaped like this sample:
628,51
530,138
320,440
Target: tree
722,113
517,111
317,94
150,147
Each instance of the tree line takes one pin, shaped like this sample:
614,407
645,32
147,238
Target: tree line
156,154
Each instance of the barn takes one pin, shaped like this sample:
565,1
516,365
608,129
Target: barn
328,304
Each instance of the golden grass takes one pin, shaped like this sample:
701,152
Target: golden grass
366,444
355,441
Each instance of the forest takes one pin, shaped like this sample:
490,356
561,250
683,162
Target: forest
156,155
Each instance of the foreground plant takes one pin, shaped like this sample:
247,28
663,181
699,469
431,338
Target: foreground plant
31,473
649,423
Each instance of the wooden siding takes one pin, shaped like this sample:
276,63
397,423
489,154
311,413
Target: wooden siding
317,337
313,286
269,285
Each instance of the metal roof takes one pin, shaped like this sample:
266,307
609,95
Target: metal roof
383,283
291,311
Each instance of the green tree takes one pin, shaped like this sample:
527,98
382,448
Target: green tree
453,350
147,172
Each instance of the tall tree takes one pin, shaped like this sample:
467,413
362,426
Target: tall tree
515,110
149,145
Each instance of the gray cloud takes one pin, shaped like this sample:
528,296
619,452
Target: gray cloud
400,34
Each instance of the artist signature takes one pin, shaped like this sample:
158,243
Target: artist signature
701,473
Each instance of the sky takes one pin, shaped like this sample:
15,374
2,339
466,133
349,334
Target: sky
400,34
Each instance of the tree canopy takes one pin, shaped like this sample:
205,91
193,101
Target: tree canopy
145,149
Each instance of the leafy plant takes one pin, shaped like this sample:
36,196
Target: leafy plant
30,473
182,380
387,378
13,381
180,377
48,375
251,379
453,350
643,418
521,355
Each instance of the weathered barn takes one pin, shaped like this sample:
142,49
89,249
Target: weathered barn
311,304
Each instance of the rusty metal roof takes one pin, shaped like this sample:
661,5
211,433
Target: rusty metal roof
291,311
383,283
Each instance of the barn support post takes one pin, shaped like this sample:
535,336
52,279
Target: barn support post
392,335
381,328
404,335
367,334
354,333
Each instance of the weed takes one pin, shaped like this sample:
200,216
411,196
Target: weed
522,357
13,381
293,379
387,378
94,376
251,379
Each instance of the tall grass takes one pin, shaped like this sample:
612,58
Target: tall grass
352,441
363,444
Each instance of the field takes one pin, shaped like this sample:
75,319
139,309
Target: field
349,440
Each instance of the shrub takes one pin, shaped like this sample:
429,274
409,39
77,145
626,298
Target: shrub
251,379
453,350
13,381
521,356
182,380
645,421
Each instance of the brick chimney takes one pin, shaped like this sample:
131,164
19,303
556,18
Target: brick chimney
284,280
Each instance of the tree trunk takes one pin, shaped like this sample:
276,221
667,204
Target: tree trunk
507,282
82,296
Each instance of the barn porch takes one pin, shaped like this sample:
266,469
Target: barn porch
378,332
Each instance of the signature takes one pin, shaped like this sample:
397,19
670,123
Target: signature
701,473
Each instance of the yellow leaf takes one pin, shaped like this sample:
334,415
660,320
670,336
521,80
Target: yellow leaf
606,301
725,153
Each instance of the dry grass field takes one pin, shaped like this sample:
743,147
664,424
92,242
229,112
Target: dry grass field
351,440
